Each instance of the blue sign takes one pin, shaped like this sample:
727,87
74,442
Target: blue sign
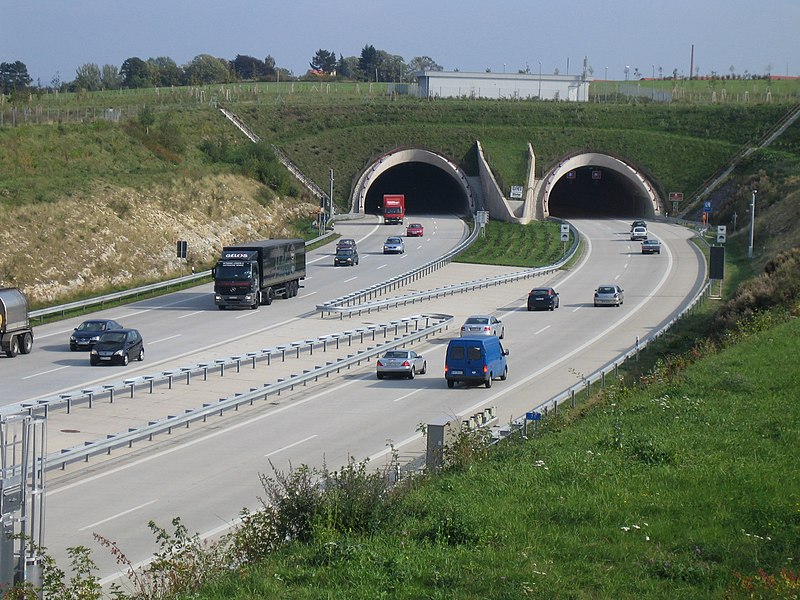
707,206
533,416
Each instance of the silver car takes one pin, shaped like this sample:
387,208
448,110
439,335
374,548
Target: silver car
394,245
483,325
403,363
609,295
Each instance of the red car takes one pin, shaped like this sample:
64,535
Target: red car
415,230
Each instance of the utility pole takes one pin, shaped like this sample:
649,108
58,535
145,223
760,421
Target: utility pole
330,208
752,224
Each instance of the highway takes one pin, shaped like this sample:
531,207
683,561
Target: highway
208,474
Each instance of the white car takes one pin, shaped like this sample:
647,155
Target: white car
483,325
394,245
638,233
404,363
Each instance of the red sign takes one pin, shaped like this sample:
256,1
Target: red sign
676,196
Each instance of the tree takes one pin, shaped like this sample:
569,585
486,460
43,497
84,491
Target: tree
204,69
347,67
324,61
110,78
134,73
423,63
164,72
368,63
87,77
14,77
248,68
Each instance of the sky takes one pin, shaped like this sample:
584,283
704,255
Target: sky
55,37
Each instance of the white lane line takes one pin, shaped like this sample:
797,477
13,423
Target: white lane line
116,516
404,396
404,256
191,314
307,295
542,330
249,313
351,279
617,277
297,443
419,247
46,372
576,309
386,265
46,335
166,338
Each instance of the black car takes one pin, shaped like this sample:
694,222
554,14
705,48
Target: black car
543,299
345,243
87,333
117,347
346,256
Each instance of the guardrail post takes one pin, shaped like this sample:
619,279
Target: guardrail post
110,388
90,395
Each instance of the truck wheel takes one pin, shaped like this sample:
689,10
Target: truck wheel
268,296
13,347
27,343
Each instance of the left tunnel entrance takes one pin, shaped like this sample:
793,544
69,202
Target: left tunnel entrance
427,188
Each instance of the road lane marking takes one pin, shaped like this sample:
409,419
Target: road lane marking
404,396
297,443
116,516
46,372
351,279
386,265
166,338
249,313
197,312
307,295
542,329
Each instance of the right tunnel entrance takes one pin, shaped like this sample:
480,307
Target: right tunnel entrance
597,185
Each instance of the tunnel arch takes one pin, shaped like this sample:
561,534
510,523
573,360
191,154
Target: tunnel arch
430,181
596,184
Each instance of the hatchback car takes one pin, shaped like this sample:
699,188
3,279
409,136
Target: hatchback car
394,245
483,325
638,233
345,243
638,223
403,363
608,295
415,230
87,333
346,257
651,246
543,299
117,347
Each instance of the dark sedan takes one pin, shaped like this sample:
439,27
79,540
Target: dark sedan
87,333
346,256
543,299
117,348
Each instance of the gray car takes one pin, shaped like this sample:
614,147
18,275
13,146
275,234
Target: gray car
401,363
609,295
394,245
483,325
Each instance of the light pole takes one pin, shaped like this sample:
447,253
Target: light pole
752,224
330,209
540,80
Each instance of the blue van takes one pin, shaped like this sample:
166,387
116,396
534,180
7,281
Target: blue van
475,360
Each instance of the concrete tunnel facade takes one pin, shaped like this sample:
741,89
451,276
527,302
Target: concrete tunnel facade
581,185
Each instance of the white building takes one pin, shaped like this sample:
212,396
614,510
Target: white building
508,86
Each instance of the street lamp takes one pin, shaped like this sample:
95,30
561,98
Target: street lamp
540,80
752,224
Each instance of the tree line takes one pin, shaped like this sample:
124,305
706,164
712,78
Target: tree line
371,65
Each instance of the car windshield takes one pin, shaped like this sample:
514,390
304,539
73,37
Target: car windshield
606,290
478,320
393,241
395,354
92,326
113,337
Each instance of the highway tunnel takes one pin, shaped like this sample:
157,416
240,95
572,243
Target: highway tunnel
428,190
590,191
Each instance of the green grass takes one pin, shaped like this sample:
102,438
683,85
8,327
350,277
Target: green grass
667,491
534,245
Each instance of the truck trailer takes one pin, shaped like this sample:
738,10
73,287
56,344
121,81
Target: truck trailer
16,334
254,273
394,208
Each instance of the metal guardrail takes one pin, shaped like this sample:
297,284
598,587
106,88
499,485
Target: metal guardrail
62,309
166,425
600,374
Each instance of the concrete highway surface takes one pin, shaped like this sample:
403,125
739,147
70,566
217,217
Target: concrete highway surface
208,473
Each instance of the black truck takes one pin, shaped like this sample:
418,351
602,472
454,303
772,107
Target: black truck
254,273
16,335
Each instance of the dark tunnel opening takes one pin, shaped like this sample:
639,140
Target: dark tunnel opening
427,188
597,192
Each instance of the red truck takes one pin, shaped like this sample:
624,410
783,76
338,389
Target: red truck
394,208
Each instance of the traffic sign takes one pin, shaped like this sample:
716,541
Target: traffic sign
533,416
707,206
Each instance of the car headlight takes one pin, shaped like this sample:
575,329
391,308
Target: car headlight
119,353
217,297
72,338
248,297
94,351
94,338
